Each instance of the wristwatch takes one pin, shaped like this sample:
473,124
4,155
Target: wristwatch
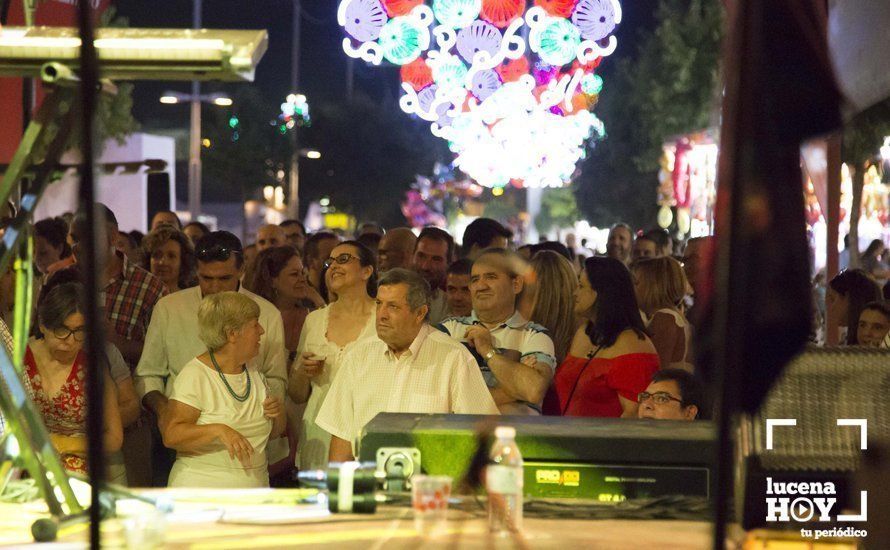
491,354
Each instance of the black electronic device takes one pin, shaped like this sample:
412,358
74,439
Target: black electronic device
601,459
825,406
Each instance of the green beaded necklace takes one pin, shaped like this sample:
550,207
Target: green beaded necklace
241,398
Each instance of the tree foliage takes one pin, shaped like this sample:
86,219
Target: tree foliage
114,117
239,169
370,155
558,209
664,89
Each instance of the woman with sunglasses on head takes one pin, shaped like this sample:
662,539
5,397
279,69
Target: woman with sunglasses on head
611,359
351,275
55,375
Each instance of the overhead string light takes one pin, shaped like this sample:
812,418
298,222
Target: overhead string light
509,84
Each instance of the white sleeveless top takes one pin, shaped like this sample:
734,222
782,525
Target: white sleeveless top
314,442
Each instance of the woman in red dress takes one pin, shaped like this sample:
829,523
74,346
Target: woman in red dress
55,368
611,359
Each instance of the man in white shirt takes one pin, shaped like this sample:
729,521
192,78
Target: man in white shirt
172,338
515,355
408,367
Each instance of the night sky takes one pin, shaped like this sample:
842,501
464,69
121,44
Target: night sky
322,61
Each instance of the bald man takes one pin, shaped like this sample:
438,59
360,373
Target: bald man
396,249
268,236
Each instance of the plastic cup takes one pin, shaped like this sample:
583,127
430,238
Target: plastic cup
429,499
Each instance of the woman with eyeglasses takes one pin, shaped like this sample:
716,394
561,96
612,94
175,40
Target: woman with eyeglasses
611,359
660,287
848,293
351,275
55,375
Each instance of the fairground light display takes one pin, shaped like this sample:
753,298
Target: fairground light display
510,84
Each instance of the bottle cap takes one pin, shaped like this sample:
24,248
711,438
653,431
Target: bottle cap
505,432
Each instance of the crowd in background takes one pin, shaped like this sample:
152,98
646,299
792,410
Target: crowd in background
232,365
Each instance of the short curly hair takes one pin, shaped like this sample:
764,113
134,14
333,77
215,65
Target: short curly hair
222,313
157,238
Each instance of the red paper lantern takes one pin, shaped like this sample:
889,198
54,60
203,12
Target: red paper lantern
513,70
399,7
417,73
557,8
501,13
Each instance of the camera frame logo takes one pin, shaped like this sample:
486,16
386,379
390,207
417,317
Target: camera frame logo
802,502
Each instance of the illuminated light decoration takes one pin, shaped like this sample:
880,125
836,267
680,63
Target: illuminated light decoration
294,112
478,37
417,74
555,40
501,13
510,92
557,8
394,8
456,14
403,40
361,18
485,83
449,72
592,84
511,70
364,19
596,19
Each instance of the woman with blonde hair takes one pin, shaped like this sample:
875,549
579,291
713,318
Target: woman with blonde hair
548,298
221,413
660,286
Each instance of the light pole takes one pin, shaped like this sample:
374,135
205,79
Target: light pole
293,206
195,100
294,113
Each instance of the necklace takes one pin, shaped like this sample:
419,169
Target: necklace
240,398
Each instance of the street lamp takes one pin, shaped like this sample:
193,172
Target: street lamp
173,98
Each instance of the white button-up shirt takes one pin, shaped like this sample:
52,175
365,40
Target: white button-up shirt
435,375
172,341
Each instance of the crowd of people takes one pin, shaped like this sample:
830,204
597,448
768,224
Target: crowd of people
232,366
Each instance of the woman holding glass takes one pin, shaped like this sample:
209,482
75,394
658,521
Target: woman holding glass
221,414
351,275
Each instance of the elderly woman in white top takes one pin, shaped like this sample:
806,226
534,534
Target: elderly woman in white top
221,413
327,334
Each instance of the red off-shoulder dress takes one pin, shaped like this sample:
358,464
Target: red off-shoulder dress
590,387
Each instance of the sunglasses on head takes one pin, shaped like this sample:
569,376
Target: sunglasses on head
341,259
216,253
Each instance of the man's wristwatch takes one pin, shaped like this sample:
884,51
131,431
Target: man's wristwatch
491,354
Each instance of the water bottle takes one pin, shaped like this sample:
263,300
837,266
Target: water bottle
503,481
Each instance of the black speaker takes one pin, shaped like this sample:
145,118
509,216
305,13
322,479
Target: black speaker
802,447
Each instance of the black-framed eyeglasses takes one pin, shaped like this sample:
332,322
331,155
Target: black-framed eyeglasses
216,253
62,333
341,259
660,397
